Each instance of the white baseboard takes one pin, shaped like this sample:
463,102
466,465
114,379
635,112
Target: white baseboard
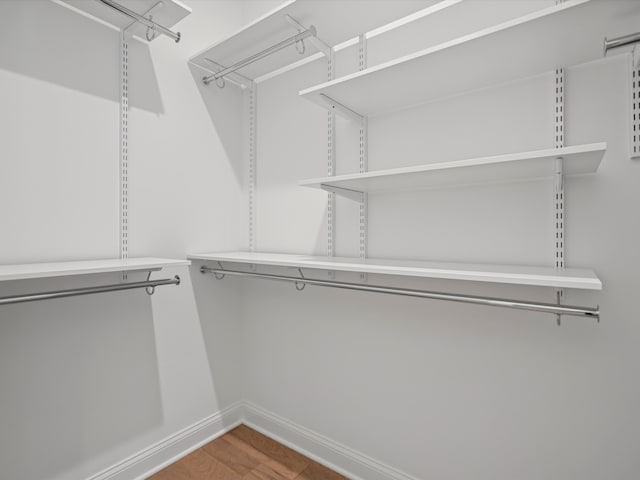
337,457
156,457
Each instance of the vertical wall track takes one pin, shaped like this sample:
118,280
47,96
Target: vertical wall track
331,163
124,147
253,117
364,155
635,106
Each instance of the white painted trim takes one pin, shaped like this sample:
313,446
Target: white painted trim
156,457
333,455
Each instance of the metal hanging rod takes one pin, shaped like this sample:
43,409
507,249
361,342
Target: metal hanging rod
143,20
488,301
73,292
310,32
620,41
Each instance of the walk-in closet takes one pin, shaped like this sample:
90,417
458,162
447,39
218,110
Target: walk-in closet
319,239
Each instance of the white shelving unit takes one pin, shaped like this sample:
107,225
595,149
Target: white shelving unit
520,275
334,21
560,36
167,14
576,160
85,267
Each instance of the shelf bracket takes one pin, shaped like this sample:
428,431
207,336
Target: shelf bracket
315,41
344,192
337,107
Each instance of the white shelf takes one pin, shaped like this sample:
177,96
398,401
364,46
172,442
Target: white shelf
335,22
510,274
85,267
170,13
580,159
560,36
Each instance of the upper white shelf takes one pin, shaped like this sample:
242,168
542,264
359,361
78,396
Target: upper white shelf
167,14
335,22
85,267
580,159
560,36
511,274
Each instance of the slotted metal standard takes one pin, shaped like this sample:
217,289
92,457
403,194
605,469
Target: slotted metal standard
559,190
635,105
331,161
230,73
253,145
364,155
124,148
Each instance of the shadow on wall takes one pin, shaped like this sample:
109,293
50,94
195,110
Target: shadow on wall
79,377
70,50
218,303
225,107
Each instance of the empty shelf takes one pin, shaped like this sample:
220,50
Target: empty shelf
509,274
335,22
580,159
85,267
560,36
167,15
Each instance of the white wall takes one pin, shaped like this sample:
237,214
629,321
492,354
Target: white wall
435,390
86,382
441,390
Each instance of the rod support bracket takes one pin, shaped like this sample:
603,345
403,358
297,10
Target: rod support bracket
150,290
150,24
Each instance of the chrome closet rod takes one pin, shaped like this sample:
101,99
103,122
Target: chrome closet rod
310,32
620,41
73,292
143,20
488,301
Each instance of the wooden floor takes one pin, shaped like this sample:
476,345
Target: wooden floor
244,454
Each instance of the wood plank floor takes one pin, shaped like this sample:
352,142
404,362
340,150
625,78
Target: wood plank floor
244,454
